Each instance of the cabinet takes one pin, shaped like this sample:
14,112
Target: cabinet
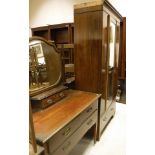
96,49
42,31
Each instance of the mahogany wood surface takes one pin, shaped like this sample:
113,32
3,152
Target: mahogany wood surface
87,50
49,121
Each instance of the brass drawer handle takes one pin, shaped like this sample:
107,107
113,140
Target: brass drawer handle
90,109
49,101
88,123
67,131
61,95
67,145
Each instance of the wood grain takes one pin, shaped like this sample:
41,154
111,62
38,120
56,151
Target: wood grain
49,121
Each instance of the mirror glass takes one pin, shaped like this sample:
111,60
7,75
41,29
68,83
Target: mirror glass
112,44
44,65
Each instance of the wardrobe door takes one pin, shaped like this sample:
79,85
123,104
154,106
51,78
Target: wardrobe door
111,61
87,48
122,56
116,66
104,57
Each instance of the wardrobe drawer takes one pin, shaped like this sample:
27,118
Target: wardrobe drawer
106,117
112,109
103,121
65,132
67,146
102,108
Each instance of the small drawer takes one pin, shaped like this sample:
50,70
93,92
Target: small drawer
64,133
52,99
68,145
38,103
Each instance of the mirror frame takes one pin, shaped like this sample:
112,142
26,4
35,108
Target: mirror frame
60,80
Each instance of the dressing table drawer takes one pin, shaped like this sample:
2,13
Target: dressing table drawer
45,99
67,146
52,99
90,110
70,128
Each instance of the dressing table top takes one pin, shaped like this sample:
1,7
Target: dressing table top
49,121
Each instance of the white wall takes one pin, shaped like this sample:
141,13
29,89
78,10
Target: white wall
43,12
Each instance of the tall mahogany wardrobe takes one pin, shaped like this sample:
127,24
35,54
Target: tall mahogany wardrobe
96,50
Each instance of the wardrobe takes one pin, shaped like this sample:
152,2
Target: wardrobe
96,51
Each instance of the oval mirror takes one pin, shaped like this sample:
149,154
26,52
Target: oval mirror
45,66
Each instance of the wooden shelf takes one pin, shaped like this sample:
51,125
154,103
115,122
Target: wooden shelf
61,34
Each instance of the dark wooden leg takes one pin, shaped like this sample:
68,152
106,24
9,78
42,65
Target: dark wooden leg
95,132
98,135
98,120
46,151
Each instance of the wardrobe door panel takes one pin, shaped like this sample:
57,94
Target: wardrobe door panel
111,61
104,57
88,47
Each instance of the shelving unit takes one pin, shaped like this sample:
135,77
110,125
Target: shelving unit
41,32
61,34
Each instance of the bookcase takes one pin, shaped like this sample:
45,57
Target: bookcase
61,34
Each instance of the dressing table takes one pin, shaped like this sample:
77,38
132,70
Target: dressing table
59,127
61,116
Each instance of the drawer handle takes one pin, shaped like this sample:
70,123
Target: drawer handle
49,101
67,131
61,95
67,145
90,109
88,123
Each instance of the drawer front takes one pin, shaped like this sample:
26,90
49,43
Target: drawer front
90,109
106,117
112,109
64,133
52,99
102,107
67,146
